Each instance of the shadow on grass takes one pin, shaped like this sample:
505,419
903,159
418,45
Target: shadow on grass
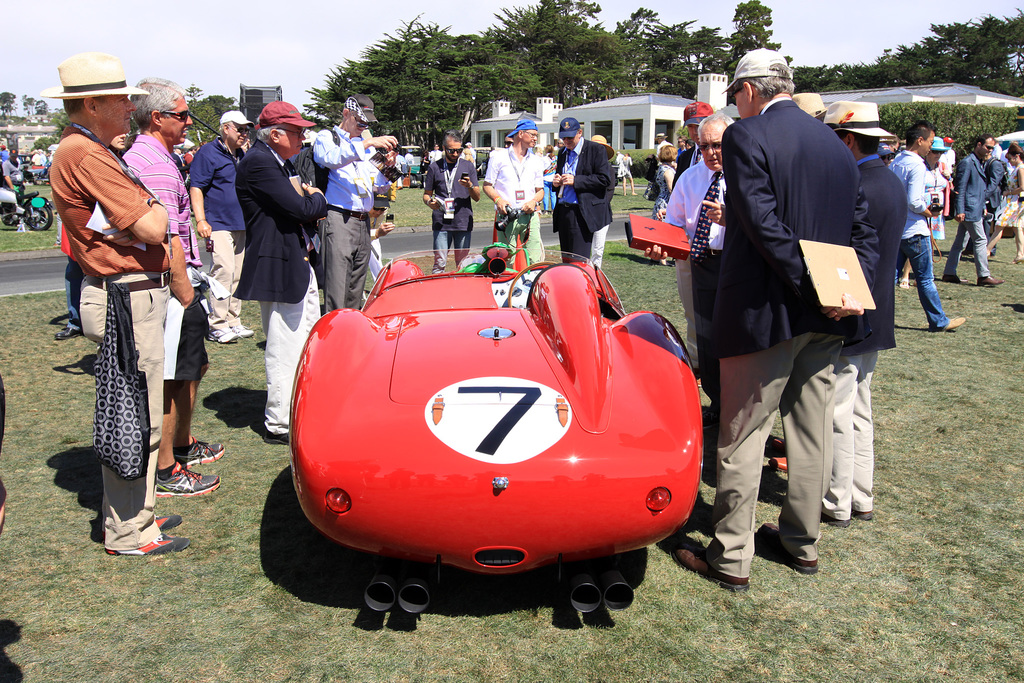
10,633
78,471
295,556
238,407
1016,308
83,366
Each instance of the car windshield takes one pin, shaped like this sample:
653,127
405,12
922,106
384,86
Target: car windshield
495,260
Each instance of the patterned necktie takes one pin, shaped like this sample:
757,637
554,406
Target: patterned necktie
699,248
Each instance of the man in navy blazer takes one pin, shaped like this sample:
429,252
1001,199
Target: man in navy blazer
849,495
280,224
788,178
582,177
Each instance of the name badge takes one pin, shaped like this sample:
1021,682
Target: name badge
520,196
449,208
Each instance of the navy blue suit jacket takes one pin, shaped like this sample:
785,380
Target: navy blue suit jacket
592,180
789,178
887,213
276,262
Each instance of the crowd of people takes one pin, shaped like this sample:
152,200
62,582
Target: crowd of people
283,223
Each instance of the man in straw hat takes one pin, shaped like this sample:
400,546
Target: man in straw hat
853,450
86,176
790,178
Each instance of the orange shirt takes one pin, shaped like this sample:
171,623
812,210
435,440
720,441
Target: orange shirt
82,174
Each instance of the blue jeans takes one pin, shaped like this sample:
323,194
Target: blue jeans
450,239
549,196
919,250
73,277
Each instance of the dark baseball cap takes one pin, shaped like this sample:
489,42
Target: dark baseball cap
568,127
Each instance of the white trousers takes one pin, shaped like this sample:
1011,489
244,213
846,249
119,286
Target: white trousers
853,439
287,326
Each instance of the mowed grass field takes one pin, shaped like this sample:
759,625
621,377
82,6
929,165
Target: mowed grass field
928,591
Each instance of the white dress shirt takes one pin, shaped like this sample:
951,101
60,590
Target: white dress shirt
684,204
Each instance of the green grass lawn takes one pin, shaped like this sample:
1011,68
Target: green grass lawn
929,591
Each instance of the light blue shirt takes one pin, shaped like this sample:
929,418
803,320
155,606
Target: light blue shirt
572,160
353,179
910,169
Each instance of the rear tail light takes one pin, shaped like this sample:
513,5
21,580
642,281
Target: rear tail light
658,499
338,501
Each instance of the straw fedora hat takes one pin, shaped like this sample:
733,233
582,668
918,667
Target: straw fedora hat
856,117
601,140
811,103
91,74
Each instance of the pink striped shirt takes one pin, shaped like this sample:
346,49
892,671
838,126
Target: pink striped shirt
156,168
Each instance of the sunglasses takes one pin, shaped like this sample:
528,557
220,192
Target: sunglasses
453,150
710,145
362,126
180,115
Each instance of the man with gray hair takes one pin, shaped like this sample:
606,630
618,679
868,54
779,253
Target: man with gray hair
696,206
792,180
162,117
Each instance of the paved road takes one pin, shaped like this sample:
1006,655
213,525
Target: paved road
30,272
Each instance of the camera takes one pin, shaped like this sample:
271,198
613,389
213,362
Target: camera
511,215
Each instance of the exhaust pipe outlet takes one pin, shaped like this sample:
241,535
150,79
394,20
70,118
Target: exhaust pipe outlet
584,594
617,594
414,595
380,592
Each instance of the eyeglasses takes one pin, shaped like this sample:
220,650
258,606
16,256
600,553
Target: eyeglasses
452,150
711,145
180,115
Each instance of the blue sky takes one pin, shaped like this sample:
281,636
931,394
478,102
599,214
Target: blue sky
295,46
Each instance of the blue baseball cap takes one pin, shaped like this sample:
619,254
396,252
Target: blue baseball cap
568,127
524,124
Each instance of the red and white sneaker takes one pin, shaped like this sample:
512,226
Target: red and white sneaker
160,545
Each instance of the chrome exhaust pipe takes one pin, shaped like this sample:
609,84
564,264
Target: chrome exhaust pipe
617,594
380,592
414,595
584,594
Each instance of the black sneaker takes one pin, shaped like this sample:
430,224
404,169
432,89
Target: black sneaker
185,482
276,439
198,453
162,544
168,522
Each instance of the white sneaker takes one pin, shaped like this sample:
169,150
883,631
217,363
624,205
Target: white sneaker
222,336
242,332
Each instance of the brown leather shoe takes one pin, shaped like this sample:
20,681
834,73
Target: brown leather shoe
768,534
691,557
989,281
951,278
954,323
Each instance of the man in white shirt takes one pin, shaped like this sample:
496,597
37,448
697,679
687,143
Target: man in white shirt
515,180
698,198
351,184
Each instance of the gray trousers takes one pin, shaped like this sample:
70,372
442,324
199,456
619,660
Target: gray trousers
979,238
345,249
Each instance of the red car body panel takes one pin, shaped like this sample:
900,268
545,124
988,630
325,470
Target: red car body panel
418,413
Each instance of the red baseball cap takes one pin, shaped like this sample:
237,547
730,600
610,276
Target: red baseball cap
696,112
277,113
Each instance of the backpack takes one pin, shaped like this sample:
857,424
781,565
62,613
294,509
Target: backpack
311,172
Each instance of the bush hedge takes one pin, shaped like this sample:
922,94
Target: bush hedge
959,121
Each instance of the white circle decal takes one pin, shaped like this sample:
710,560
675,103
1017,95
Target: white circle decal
499,420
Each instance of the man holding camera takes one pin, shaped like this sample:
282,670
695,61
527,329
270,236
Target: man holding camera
450,188
515,181
351,184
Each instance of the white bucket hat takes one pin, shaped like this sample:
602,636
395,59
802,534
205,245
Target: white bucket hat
91,74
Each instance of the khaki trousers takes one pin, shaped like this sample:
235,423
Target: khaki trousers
797,378
228,252
128,521
853,439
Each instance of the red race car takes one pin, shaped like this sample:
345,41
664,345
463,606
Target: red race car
495,419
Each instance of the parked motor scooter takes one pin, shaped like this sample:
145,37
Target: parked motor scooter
24,209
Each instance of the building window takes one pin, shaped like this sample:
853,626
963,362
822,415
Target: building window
603,128
667,128
632,134
483,138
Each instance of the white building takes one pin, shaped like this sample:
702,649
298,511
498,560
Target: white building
950,93
629,122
